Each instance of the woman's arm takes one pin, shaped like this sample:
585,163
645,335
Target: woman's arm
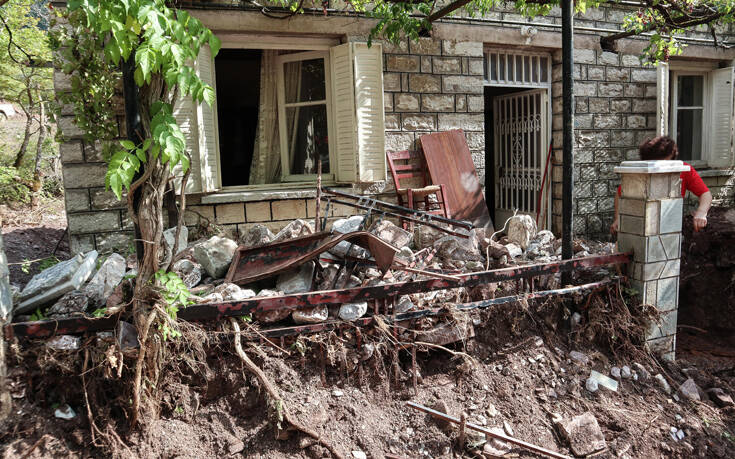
700,215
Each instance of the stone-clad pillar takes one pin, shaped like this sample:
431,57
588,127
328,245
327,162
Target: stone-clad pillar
651,212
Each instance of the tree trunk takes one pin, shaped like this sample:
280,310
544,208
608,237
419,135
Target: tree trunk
37,181
26,136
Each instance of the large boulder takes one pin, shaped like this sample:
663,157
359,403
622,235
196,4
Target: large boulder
52,283
108,277
294,229
521,230
189,272
457,248
215,255
257,235
391,233
296,280
348,225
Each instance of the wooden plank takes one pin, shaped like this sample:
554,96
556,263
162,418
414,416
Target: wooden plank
450,163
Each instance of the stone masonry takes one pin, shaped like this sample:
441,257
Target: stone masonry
651,210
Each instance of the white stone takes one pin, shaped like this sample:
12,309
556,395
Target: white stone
651,167
189,272
352,311
604,381
311,315
294,229
215,255
257,235
591,385
108,277
690,390
521,230
404,304
232,292
615,372
359,455
57,280
296,280
625,372
65,412
663,383
514,250
64,342
348,225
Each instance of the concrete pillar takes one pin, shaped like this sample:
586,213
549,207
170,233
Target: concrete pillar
651,212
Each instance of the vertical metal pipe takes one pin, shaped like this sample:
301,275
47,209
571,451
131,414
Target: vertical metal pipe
567,40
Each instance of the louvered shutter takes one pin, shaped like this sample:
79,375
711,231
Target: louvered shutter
370,111
662,98
343,103
185,115
207,126
720,146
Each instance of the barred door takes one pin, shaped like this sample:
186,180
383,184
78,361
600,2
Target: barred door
521,146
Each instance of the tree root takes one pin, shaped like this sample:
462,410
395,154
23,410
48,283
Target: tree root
275,395
139,367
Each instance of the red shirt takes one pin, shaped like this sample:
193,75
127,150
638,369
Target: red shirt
690,181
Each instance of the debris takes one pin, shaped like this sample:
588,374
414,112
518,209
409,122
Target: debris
65,412
64,342
232,292
507,427
719,396
583,434
127,336
615,372
494,249
425,236
592,385
641,371
311,316
272,315
168,244
455,248
690,390
514,250
446,333
625,372
406,253
352,311
404,305
579,357
257,235
521,230
296,280
215,255
391,233
53,282
603,381
108,277
72,303
663,383
297,228
189,272
344,226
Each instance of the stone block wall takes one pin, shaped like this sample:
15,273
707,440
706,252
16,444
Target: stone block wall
615,110
434,85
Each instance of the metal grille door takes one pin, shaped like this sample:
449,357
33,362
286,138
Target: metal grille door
521,145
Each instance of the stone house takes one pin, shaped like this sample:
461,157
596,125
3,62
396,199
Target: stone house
306,89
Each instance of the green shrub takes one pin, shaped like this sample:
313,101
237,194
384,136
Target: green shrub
12,189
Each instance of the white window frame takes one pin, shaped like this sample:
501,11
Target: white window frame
514,83
706,110
281,61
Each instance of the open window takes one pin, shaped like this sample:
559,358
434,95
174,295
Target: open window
282,111
695,107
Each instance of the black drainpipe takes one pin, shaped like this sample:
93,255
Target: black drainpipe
567,66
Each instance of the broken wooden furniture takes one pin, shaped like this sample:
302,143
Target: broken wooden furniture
411,180
259,262
449,162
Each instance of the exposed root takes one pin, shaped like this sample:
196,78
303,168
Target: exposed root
275,395
139,366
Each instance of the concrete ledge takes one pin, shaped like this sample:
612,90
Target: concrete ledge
651,167
262,195
716,173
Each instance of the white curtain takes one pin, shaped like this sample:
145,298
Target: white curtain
266,165
292,78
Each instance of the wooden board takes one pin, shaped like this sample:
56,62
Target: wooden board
450,163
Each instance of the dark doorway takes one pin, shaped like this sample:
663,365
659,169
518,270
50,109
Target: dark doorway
238,96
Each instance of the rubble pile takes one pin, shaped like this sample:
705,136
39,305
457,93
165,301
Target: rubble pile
203,266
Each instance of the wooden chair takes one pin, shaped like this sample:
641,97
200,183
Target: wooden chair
411,178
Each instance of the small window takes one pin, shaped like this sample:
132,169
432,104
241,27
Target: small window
516,69
688,115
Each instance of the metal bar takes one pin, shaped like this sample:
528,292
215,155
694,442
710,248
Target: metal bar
499,436
567,41
405,217
426,273
297,301
398,208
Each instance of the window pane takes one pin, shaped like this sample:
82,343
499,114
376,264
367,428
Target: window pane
304,81
493,67
544,70
690,90
307,138
689,133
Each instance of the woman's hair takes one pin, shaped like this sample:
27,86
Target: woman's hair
661,147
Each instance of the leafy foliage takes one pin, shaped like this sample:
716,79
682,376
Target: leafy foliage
176,295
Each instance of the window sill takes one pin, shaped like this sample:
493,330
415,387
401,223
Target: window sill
720,172
224,197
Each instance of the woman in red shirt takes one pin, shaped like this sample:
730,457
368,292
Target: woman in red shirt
664,147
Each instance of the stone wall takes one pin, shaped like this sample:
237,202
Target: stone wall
431,86
615,110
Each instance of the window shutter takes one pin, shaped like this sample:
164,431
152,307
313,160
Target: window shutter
662,98
358,112
343,112
720,147
186,118
370,111
207,125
